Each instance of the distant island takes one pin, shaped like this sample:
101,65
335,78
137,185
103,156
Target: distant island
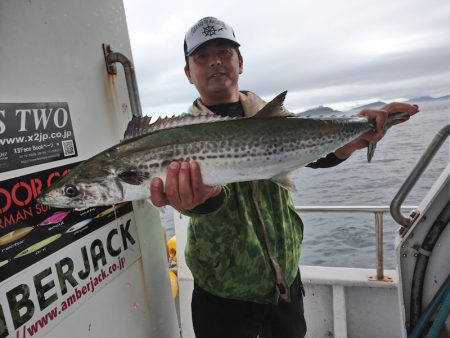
327,111
428,98
320,110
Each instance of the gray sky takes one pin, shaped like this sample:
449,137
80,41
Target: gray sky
324,52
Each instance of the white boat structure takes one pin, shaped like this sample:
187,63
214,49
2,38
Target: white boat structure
58,65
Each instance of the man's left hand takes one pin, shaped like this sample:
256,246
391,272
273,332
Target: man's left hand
380,116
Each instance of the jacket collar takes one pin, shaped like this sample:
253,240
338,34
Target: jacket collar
251,103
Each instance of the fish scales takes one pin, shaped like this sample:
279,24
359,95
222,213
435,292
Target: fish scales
229,149
265,148
269,145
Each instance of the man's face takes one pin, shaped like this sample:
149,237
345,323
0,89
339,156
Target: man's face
214,69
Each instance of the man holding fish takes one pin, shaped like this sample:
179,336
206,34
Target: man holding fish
244,238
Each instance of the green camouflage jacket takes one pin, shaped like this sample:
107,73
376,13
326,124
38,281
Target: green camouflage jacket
249,247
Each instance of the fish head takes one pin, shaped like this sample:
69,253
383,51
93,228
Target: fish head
83,187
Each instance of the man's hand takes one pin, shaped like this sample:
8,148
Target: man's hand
184,187
380,117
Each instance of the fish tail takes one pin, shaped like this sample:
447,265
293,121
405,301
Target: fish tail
392,119
371,150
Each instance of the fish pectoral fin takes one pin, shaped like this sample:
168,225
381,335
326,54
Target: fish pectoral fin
133,177
284,181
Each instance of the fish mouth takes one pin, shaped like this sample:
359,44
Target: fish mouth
45,197
53,202
48,201
40,199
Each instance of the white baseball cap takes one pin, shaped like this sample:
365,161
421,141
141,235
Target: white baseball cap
207,29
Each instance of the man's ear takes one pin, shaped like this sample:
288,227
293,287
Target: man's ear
188,73
241,65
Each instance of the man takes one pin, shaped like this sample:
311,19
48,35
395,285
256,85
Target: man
244,238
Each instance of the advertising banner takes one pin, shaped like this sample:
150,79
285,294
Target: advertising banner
34,133
30,231
40,297
52,259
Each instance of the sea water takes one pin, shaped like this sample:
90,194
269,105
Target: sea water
348,239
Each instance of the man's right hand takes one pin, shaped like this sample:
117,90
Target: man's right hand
184,188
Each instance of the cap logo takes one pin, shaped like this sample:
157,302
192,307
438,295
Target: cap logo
209,22
211,31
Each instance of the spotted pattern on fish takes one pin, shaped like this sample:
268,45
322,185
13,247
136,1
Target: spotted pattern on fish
268,145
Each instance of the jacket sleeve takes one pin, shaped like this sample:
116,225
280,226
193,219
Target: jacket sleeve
326,162
211,205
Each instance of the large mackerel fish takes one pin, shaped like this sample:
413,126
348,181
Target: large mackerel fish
269,145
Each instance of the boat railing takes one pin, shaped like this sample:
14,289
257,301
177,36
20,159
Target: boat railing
413,177
378,212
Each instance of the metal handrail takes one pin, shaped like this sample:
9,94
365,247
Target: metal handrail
130,77
415,174
378,212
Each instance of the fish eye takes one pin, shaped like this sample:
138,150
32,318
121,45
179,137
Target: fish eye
70,190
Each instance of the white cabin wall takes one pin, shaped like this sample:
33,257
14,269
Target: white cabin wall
51,51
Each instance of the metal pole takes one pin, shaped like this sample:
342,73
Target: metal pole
379,244
130,77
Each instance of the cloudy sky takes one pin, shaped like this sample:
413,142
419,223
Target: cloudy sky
337,53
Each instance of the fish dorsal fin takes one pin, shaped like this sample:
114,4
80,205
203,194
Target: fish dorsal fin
142,125
137,126
274,107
